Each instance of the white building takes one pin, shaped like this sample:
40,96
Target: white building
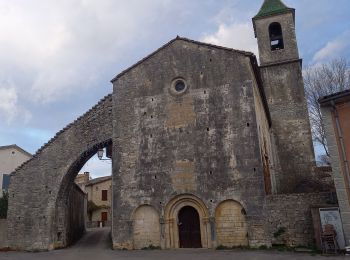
11,156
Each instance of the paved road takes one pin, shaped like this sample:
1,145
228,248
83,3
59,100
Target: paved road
96,244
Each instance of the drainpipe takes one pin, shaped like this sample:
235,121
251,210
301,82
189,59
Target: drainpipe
341,141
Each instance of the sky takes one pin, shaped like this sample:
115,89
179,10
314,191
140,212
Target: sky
57,57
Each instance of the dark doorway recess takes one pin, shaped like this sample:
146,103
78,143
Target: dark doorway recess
189,228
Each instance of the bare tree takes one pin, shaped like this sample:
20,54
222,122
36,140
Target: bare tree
323,80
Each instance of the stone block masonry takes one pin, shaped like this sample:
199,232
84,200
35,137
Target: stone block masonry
39,191
201,142
290,220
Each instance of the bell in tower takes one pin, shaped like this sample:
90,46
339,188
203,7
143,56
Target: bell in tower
274,27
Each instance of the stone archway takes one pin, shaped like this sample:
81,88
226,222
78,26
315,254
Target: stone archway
171,213
63,230
38,193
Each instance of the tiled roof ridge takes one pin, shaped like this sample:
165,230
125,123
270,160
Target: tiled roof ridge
97,180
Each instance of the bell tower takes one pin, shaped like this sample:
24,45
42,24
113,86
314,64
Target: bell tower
274,27
281,72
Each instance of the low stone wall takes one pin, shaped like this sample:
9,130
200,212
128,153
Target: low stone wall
290,220
3,233
97,224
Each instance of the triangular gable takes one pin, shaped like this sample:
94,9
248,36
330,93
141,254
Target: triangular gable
251,55
16,147
178,38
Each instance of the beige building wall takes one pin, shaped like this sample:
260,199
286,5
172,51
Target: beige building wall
94,191
97,215
10,158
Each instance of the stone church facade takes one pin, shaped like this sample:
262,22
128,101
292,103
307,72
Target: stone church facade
206,127
209,149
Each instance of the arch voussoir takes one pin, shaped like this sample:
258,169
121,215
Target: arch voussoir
40,188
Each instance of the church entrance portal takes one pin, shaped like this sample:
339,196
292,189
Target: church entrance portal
189,228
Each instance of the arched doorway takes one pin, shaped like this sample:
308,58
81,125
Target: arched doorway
189,228
181,207
70,217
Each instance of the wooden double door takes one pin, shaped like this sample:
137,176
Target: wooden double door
189,228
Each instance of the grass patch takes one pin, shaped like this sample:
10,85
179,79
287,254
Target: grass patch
151,247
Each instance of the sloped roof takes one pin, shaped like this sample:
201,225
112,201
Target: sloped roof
271,7
178,38
14,146
98,180
339,97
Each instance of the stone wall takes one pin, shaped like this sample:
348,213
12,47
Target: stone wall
290,50
290,124
39,189
146,227
289,217
76,214
267,145
231,225
202,142
3,233
281,72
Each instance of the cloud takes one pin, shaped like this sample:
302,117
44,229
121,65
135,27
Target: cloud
237,36
97,168
334,48
63,47
9,108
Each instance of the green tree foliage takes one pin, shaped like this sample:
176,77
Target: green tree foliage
91,207
4,204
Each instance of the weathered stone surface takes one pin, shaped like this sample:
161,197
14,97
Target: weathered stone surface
291,128
3,233
290,220
230,135
231,224
146,227
290,51
204,142
281,74
38,215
